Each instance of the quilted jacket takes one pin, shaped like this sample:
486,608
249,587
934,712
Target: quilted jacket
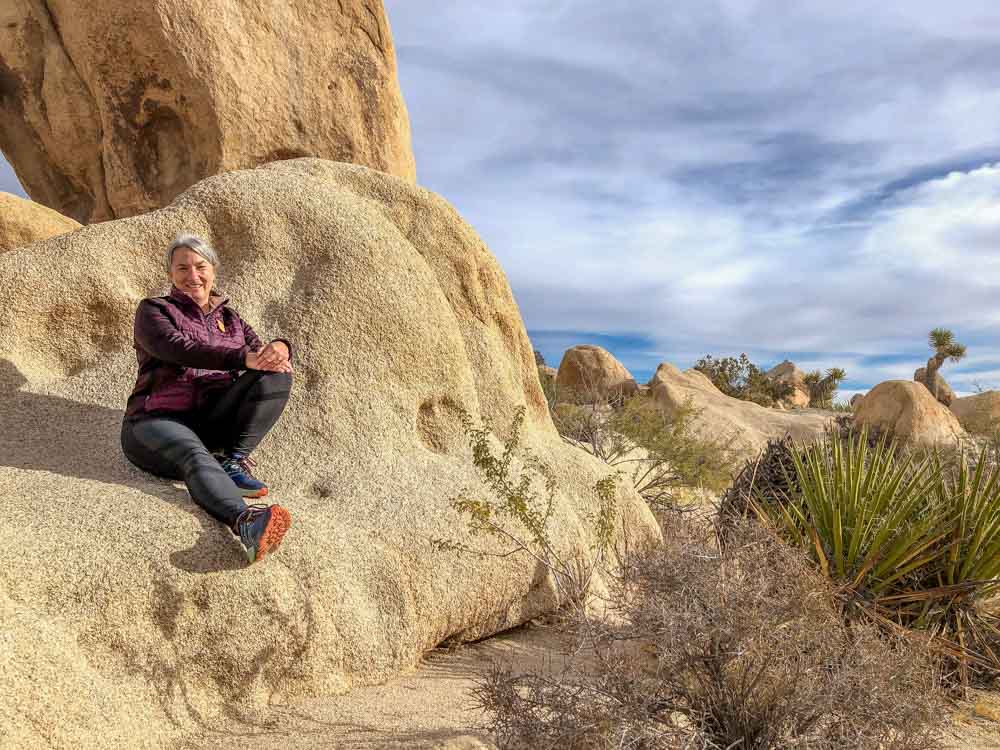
186,354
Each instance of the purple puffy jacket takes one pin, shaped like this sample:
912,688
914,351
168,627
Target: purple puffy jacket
186,354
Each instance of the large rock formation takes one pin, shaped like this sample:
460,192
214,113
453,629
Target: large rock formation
979,413
400,317
910,411
24,221
590,373
787,372
744,425
111,108
944,392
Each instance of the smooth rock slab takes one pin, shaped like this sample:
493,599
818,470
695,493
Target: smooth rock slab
399,316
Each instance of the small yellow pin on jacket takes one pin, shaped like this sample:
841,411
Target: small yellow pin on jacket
222,326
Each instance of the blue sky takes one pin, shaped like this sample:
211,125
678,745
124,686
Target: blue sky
817,181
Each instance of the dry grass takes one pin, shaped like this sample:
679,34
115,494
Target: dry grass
746,650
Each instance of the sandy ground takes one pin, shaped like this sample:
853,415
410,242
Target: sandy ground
430,708
433,708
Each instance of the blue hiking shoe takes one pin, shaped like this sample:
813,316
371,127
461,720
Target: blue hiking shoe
239,468
261,529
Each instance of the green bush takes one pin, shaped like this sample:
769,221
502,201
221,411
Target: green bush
658,453
740,378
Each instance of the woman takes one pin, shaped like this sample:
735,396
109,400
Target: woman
190,398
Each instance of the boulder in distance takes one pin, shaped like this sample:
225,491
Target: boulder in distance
744,425
979,413
589,374
23,222
787,372
944,393
910,412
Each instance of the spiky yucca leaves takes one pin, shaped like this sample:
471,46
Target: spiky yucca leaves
914,541
942,341
867,517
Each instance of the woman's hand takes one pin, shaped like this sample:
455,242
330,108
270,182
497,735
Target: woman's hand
272,358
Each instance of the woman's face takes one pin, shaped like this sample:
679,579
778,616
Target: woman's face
192,274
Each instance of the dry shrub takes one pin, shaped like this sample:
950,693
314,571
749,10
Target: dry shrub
747,650
770,474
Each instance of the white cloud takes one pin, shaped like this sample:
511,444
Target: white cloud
724,177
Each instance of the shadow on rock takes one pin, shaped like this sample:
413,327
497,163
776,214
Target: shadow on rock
81,441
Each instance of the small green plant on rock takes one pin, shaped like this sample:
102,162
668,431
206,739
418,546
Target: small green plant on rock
518,510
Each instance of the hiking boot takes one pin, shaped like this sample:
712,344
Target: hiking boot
261,529
239,467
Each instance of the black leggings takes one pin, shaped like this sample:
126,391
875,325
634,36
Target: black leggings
178,446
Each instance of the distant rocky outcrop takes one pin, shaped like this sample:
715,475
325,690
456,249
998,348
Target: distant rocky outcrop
590,373
910,412
787,372
979,412
111,109
23,222
130,617
743,424
944,392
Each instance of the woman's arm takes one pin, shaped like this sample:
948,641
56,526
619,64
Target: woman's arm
156,333
256,345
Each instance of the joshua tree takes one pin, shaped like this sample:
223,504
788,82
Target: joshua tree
945,347
823,387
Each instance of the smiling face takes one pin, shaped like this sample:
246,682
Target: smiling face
192,274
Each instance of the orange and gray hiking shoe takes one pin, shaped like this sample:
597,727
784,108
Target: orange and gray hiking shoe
261,529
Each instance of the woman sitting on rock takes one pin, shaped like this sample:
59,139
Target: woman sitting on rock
191,399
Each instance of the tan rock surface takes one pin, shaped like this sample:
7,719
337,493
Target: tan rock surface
787,372
910,411
399,316
112,108
979,412
23,222
721,416
944,392
589,372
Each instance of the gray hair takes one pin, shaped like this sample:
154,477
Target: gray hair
195,243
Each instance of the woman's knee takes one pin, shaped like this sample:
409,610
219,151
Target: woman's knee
275,383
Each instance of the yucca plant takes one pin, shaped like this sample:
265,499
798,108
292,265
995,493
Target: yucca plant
911,540
866,516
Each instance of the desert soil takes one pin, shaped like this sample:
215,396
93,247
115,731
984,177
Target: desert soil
433,707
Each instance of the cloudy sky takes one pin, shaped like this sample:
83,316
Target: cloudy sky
811,180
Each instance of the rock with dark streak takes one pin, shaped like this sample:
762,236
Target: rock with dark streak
110,109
